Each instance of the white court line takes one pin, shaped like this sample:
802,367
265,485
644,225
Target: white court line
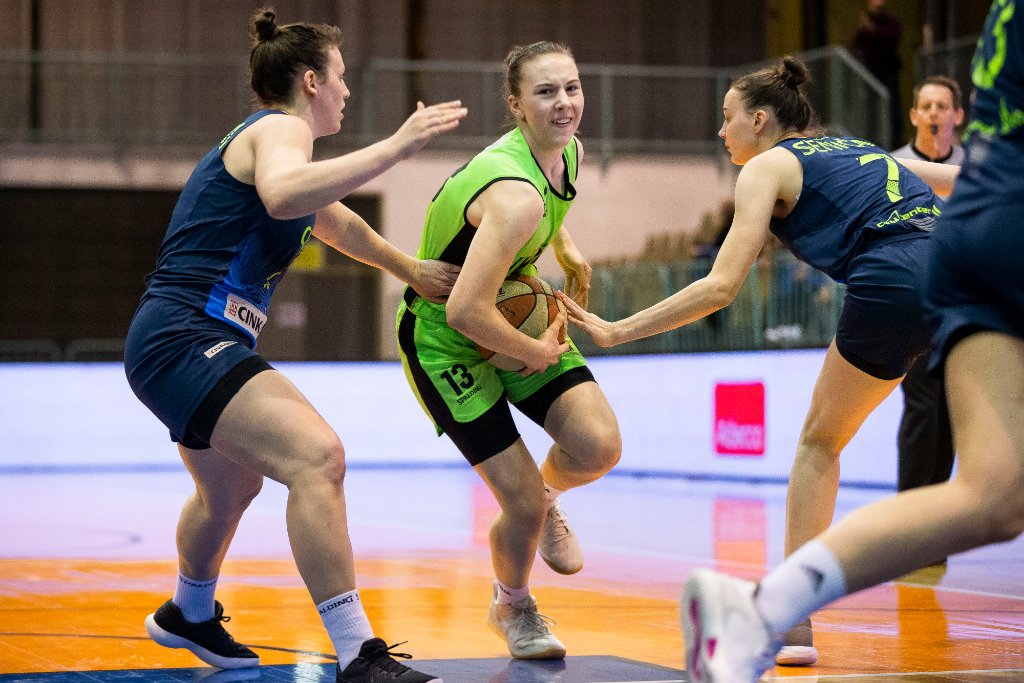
860,676
748,566
963,591
738,566
825,678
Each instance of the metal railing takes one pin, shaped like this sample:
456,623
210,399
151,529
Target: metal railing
131,99
49,351
952,59
782,304
848,99
117,99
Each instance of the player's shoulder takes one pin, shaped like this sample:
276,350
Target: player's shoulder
514,192
280,125
579,148
775,162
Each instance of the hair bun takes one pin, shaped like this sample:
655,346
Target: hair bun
794,73
266,28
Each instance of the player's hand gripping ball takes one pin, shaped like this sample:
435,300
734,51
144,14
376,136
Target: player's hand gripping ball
529,305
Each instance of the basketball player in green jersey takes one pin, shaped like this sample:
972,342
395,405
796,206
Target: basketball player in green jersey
494,217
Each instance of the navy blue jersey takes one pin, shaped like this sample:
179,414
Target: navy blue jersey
853,193
998,74
974,274
223,254
995,157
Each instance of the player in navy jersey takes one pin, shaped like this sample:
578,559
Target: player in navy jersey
975,297
846,207
243,216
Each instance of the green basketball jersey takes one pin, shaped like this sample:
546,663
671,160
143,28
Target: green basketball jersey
453,383
447,233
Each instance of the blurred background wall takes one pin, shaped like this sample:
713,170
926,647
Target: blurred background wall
106,106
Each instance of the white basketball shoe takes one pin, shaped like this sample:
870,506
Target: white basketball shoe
524,629
726,639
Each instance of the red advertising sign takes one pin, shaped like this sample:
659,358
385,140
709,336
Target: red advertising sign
739,418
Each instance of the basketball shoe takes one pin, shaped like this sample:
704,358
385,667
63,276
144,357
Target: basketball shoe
558,545
726,639
524,629
798,646
207,639
376,664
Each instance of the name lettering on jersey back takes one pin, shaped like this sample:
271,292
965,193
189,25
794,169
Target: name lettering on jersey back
245,314
814,145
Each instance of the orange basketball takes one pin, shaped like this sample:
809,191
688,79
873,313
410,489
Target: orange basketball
528,304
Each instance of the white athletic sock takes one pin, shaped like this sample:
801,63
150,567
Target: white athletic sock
551,495
195,598
805,582
346,624
508,595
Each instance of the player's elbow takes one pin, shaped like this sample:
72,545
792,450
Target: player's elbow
280,202
281,208
460,315
721,292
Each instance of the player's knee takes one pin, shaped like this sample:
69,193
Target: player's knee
325,456
818,444
1005,515
249,487
229,498
597,453
993,502
607,445
527,506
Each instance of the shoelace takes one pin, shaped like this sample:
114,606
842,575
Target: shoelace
383,658
561,525
537,622
218,632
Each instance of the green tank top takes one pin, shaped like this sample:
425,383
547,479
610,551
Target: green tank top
447,232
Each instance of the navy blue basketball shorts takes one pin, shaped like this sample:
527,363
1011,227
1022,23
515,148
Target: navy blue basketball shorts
882,328
186,368
975,276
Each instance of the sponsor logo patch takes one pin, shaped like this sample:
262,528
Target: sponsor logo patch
217,348
245,314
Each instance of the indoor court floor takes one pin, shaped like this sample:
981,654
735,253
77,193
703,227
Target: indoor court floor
85,555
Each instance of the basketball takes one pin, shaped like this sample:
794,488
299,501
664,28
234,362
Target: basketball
528,304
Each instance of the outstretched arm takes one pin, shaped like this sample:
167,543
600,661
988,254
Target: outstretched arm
757,190
940,177
341,228
290,184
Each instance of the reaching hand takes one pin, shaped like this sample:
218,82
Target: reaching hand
553,348
577,275
434,280
600,330
426,123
